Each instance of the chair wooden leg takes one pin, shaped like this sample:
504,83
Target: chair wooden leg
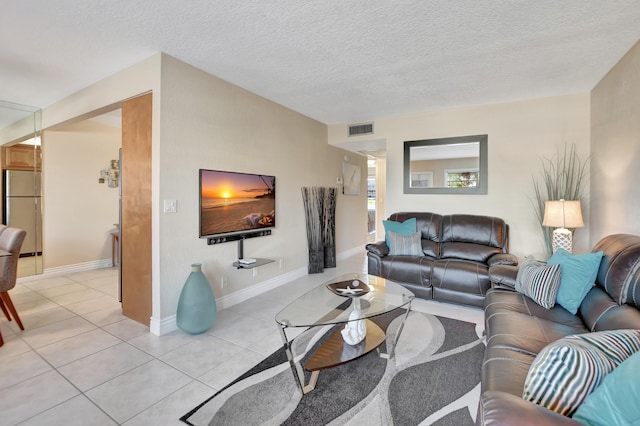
4,309
12,309
1,341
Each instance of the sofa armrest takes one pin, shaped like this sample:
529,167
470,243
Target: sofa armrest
379,248
501,408
502,259
503,276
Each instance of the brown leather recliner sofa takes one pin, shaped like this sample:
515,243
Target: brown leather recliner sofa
458,251
517,329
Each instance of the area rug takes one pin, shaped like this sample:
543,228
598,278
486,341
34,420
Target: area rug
433,379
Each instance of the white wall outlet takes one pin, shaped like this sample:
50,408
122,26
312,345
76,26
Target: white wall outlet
255,272
170,206
339,180
223,282
280,263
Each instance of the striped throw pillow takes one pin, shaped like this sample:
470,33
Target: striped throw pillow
566,371
539,282
405,245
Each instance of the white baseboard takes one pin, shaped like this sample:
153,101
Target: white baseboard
168,324
259,288
68,269
162,326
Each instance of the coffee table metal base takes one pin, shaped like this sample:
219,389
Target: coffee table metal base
334,351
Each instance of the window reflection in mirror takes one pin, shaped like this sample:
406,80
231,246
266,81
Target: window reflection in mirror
455,165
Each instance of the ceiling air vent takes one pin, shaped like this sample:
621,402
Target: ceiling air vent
360,129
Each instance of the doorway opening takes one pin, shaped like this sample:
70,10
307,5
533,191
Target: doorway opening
371,200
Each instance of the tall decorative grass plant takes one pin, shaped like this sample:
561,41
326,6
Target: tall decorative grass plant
564,176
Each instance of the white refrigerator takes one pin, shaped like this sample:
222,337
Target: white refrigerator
23,208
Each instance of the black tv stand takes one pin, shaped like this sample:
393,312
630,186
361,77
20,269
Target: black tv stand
240,239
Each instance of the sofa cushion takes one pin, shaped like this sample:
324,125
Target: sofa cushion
619,272
403,228
408,269
567,370
600,312
540,282
483,230
577,275
505,369
405,245
506,302
615,401
461,276
467,251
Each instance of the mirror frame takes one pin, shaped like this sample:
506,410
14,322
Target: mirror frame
481,189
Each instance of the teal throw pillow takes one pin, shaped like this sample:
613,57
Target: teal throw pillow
565,371
539,282
577,275
407,227
615,401
405,245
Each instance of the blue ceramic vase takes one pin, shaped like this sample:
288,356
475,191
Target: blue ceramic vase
197,305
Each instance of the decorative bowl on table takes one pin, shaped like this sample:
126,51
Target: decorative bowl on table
349,288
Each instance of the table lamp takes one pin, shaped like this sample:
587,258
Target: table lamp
561,215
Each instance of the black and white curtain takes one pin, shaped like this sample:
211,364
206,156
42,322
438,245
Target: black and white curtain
320,212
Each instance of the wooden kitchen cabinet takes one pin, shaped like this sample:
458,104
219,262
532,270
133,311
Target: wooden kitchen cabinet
21,157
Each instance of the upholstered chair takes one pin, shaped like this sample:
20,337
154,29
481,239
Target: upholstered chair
11,240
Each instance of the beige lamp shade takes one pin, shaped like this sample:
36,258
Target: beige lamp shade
562,214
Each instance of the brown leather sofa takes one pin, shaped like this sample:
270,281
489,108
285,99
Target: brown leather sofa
517,329
458,251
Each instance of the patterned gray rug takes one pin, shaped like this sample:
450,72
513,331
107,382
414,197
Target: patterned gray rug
433,379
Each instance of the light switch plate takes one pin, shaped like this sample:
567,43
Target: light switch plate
170,206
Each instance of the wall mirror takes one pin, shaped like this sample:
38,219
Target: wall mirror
20,132
455,165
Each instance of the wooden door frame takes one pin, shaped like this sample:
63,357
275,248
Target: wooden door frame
136,209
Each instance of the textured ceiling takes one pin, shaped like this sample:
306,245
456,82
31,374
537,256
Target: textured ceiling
332,60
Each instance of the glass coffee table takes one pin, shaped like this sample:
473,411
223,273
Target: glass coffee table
334,303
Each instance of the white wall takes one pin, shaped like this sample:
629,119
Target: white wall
200,121
519,135
211,124
615,146
79,212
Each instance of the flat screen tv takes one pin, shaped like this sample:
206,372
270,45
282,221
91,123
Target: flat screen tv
235,203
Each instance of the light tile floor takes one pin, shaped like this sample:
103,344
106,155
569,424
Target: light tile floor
81,362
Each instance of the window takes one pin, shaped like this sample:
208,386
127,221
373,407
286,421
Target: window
422,180
371,187
462,178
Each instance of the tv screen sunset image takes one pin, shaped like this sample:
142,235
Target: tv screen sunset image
231,202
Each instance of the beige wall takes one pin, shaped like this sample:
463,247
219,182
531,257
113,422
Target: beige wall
519,135
211,124
200,121
78,212
615,147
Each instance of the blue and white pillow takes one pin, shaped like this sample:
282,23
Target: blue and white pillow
407,227
405,245
566,371
539,282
